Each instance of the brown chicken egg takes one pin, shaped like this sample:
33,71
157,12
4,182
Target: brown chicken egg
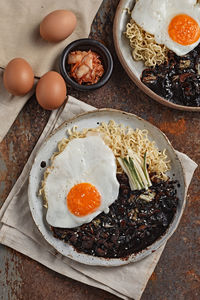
18,77
51,90
57,25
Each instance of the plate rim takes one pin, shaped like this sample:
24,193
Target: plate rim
135,257
132,76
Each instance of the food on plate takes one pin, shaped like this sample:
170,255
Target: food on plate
86,67
173,25
18,77
51,90
136,169
58,25
97,202
81,183
133,223
178,80
144,46
155,30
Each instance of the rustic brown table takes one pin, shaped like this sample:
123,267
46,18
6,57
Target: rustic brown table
177,275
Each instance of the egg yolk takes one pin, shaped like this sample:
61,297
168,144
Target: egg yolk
184,30
83,199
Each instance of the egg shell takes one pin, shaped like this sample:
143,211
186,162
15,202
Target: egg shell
58,25
51,90
18,77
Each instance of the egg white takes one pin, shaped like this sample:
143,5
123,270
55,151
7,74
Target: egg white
154,16
148,14
83,160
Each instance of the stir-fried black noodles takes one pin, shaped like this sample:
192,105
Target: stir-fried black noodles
178,79
135,220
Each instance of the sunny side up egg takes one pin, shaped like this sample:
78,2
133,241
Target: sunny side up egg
176,24
81,183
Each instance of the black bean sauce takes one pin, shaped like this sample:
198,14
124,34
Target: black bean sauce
43,164
131,225
178,79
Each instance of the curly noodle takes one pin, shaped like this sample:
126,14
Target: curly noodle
144,45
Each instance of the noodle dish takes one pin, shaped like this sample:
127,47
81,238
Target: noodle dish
107,192
165,36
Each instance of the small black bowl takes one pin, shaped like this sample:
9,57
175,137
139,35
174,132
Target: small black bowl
86,45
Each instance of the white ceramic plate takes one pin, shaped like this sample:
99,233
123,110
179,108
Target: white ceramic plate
91,120
134,68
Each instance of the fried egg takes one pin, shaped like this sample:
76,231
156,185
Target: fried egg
81,183
173,24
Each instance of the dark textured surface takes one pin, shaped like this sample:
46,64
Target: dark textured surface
177,275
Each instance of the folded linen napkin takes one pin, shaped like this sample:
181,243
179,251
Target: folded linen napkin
19,37
18,231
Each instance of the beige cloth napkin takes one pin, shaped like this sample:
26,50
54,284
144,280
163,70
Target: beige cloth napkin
19,37
17,229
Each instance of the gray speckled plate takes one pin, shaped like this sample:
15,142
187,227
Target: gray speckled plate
91,120
134,68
